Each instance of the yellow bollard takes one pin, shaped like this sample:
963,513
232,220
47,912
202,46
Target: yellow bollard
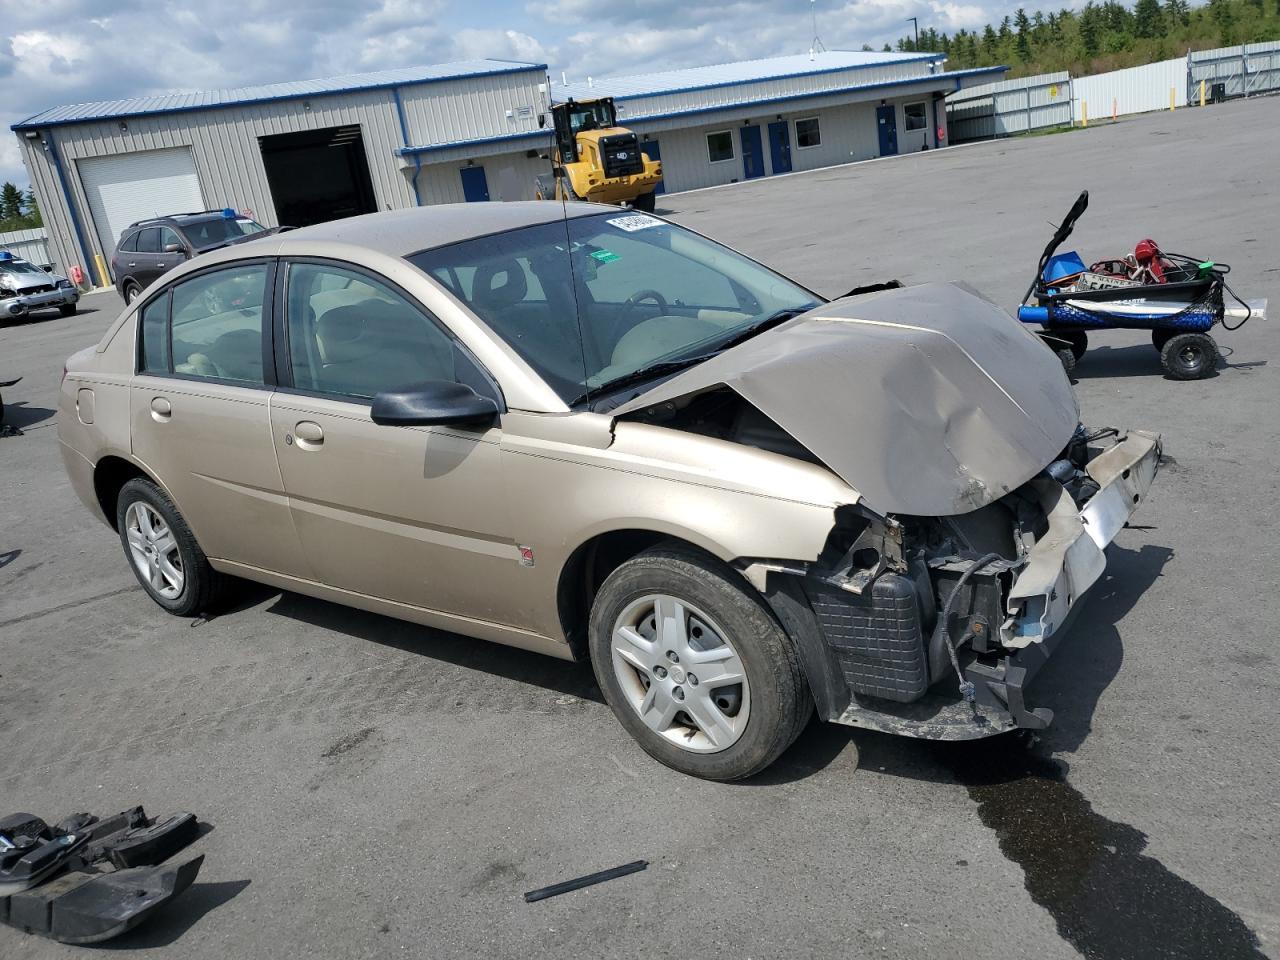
1084,113
1113,109
1202,93
103,276
1171,97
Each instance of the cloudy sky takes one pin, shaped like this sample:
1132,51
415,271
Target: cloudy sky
54,52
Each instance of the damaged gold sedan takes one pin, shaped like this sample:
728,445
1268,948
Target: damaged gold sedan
596,434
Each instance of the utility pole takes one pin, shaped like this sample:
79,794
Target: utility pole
916,23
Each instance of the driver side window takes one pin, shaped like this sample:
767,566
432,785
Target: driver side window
352,336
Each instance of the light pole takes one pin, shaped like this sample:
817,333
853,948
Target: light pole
915,23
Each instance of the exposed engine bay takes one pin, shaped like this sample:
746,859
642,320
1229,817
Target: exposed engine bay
912,609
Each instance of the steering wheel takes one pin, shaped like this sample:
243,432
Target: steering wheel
639,297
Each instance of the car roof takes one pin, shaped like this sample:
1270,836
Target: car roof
399,233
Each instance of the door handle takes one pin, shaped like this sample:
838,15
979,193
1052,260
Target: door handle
308,434
161,409
132,264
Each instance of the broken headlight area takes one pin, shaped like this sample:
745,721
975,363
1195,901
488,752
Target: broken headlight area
933,626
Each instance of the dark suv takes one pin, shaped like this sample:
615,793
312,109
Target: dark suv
149,248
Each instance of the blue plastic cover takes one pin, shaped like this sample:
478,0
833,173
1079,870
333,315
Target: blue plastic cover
1063,265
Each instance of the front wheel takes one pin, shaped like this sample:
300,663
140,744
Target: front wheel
68,309
646,202
1189,356
163,551
694,666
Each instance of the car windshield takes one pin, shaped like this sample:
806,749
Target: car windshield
20,266
597,302
209,233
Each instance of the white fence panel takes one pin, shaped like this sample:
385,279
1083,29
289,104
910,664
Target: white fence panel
1135,90
1009,106
32,245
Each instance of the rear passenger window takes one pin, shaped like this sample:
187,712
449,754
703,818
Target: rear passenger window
353,336
149,240
217,324
153,331
130,243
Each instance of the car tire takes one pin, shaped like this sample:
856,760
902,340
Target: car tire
1189,356
131,292
726,630
646,202
68,309
174,570
1077,340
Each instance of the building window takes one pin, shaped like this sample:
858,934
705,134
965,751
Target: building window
720,146
917,118
808,133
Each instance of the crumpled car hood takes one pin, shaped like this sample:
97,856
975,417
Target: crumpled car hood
927,400
18,282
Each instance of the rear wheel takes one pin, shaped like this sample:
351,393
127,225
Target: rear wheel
1189,356
694,666
131,291
163,551
645,202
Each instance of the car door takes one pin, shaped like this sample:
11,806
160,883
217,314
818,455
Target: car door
200,414
173,251
143,264
404,513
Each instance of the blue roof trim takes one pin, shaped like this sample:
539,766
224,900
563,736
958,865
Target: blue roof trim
721,108
481,141
34,122
768,78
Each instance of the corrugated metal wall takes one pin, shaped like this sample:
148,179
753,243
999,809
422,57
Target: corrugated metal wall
1252,68
1010,106
30,245
1134,90
474,108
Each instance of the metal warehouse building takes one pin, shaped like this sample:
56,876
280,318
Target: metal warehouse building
304,152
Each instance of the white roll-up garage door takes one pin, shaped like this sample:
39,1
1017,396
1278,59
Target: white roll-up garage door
133,186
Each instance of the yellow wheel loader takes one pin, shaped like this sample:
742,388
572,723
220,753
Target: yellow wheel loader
595,159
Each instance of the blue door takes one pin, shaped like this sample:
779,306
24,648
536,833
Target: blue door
475,188
651,150
887,125
780,146
752,153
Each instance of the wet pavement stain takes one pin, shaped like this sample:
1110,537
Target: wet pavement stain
1110,900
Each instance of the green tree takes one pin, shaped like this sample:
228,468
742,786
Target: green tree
1148,19
32,215
10,203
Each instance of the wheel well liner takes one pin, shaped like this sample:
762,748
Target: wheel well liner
110,474
587,568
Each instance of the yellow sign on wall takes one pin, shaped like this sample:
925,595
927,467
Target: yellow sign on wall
1053,89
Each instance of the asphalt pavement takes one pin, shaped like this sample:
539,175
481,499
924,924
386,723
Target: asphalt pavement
377,788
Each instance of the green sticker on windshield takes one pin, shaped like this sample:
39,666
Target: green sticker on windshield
604,256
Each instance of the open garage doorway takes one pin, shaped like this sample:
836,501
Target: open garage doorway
318,175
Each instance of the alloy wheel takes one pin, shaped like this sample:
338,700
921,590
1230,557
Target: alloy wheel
153,550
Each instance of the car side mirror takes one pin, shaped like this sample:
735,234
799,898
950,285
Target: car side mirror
174,248
432,402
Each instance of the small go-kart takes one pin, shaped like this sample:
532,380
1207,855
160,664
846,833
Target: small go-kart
1178,298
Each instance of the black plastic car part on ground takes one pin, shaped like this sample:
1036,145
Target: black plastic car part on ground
86,878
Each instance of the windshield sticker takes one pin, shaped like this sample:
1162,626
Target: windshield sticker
604,256
634,222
